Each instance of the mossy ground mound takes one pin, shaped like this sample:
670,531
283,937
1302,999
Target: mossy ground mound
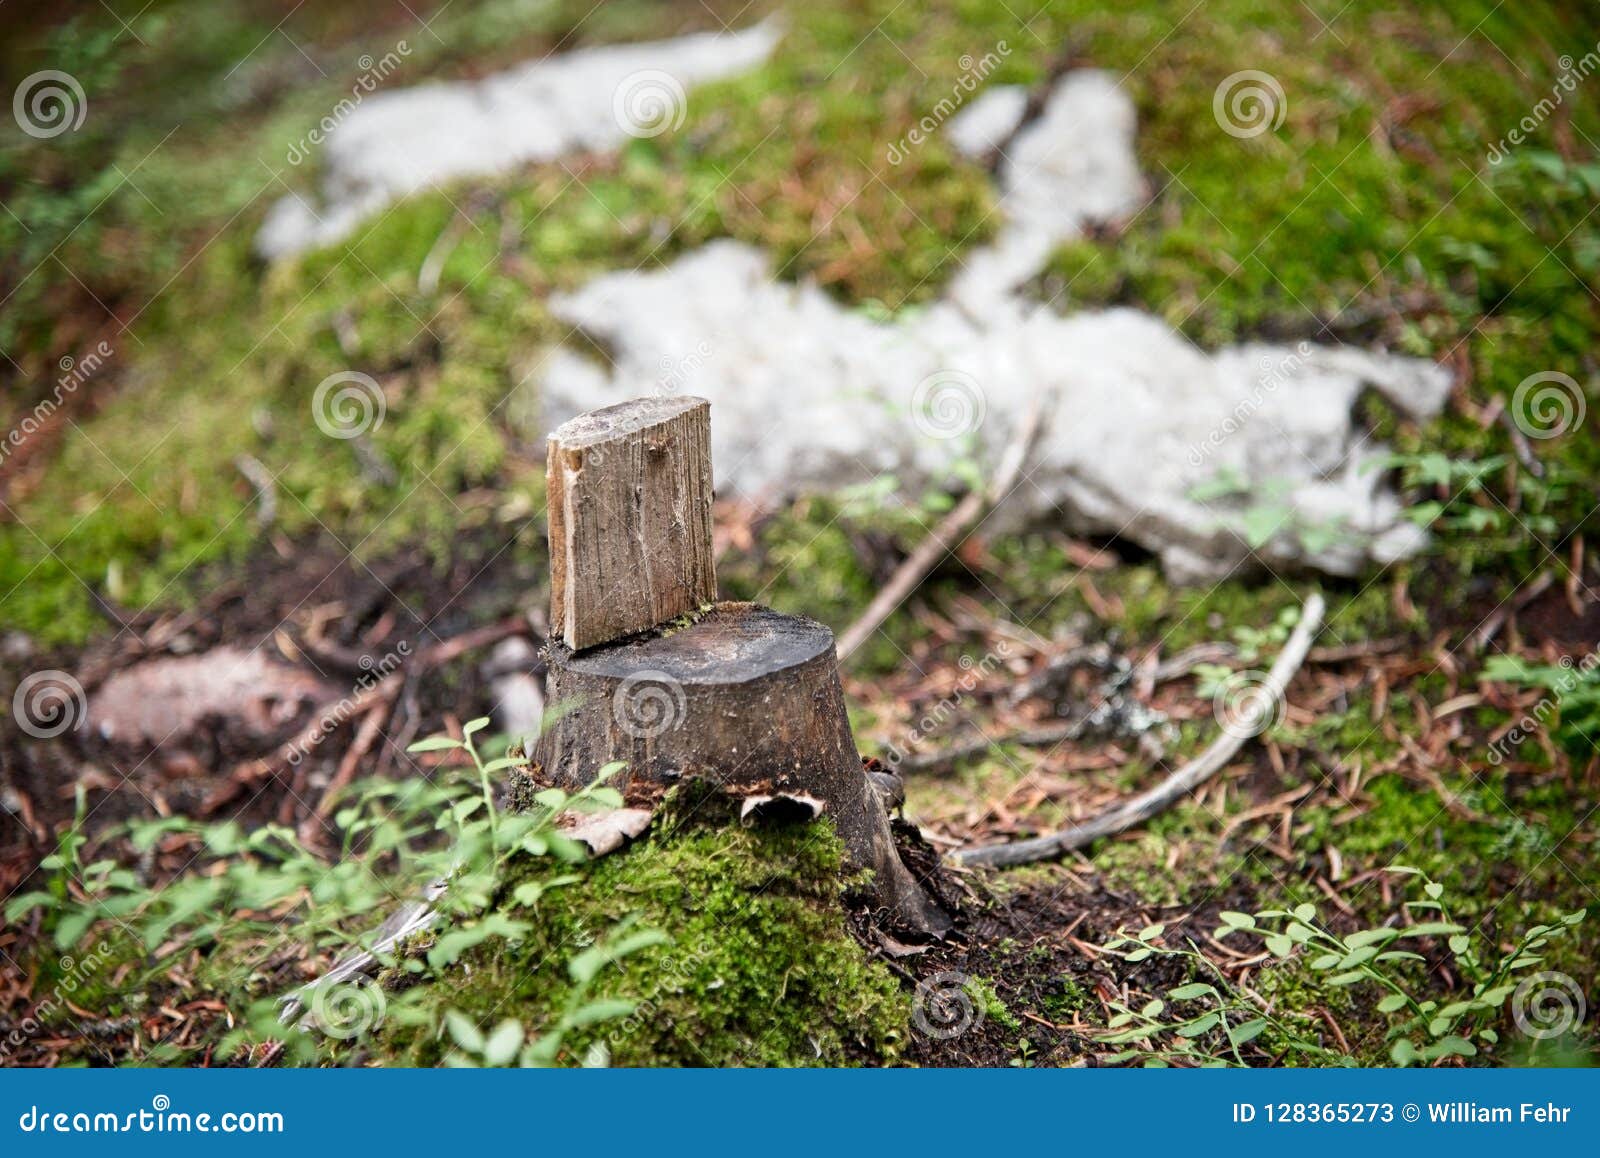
760,969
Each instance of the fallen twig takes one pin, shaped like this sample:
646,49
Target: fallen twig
261,479
945,537
1185,780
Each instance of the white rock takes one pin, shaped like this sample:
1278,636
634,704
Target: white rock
810,395
400,141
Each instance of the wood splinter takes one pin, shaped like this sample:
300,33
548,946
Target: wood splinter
646,674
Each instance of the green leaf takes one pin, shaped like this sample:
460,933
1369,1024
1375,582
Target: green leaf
503,1044
1307,913
1450,1047
1279,945
1236,920
463,1031
435,744
477,725
1247,1031
1205,1023
27,902
1191,991
1392,1002
1434,890
1349,978
1364,937
1326,961
552,798
72,927
1261,523
1432,929
600,1011
587,965
1403,1052
604,797
1137,955
1460,943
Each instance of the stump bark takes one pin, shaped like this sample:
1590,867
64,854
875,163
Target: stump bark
744,697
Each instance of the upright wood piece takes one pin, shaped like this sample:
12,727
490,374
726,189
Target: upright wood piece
630,519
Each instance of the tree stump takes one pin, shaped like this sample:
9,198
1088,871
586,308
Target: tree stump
733,693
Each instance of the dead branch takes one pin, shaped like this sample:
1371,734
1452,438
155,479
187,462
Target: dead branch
946,536
1185,780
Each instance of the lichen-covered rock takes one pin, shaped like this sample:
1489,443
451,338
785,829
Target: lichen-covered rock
400,141
1190,454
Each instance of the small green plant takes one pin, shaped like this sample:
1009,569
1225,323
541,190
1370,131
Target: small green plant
508,1043
1202,1023
1217,1018
1467,503
1574,698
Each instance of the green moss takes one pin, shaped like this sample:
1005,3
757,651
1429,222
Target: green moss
761,968
986,999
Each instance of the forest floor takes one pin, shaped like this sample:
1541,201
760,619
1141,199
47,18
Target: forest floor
162,892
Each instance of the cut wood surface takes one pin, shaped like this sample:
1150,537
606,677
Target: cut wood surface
630,518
